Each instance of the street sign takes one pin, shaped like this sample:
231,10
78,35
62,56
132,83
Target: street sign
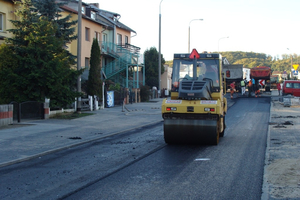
295,72
295,66
262,82
194,54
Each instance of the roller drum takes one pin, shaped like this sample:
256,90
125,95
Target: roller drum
191,131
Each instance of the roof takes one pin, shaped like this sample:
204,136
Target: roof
111,17
64,7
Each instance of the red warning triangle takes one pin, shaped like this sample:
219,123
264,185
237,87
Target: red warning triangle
194,54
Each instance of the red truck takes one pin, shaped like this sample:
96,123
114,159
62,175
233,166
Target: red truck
261,73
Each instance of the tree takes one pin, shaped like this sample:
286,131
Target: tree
66,26
7,76
94,80
42,67
151,66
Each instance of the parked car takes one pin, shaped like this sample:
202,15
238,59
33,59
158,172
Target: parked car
291,87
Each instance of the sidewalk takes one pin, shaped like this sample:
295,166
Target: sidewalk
32,139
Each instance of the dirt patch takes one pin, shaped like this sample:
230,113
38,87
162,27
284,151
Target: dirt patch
284,178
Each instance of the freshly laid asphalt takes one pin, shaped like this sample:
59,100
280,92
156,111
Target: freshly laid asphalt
26,140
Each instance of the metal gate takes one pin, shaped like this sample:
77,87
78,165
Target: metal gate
28,110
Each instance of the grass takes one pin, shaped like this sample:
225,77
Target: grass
70,115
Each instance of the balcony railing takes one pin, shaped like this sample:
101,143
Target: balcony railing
113,49
124,55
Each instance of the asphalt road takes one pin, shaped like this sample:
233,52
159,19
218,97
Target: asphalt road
231,170
139,165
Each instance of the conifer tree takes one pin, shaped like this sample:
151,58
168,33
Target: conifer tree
42,66
151,71
94,79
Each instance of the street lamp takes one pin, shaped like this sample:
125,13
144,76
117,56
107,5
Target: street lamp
79,55
159,51
189,33
291,62
219,41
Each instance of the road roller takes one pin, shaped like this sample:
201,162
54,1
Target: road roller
195,112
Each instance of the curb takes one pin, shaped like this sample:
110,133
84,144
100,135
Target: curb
265,186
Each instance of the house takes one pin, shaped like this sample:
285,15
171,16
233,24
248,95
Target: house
120,59
166,78
7,8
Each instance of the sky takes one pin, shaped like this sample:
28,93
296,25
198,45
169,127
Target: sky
261,26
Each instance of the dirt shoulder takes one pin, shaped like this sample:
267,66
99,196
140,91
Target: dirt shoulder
282,169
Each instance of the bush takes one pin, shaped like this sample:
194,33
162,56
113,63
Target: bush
145,93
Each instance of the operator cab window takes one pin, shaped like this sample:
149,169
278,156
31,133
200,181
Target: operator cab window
206,69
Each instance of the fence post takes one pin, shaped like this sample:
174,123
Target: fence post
96,102
46,111
6,114
91,103
19,113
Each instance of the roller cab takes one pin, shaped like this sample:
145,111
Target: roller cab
196,111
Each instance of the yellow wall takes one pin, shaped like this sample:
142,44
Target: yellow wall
7,9
123,33
85,45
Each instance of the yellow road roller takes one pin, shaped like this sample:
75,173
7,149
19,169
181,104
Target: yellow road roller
195,113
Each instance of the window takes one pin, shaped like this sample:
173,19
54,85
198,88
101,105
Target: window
104,37
297,85
206,68
87,34
289,85
126,39
97,36
119,39
1,22
82,10
93,15
87,62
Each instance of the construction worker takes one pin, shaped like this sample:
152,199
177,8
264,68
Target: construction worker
278,88
243,86
249,88
232,88
257,92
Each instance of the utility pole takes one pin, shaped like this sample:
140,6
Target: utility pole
159,54
79,55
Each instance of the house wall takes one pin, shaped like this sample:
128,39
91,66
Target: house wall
85,45
123,33
72,47
166,78
7,9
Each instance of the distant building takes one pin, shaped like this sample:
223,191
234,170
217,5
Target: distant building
279,74
166,78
